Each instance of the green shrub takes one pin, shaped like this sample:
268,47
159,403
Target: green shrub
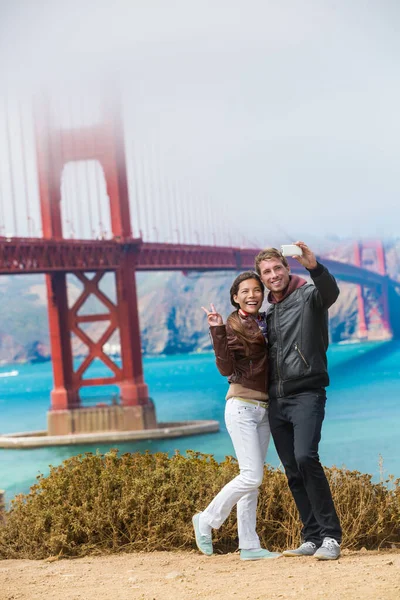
97,503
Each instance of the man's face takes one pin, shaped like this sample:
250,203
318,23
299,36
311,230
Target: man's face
274,275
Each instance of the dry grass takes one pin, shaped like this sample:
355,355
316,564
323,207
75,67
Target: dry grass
97,503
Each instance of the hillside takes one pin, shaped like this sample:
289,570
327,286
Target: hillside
169,306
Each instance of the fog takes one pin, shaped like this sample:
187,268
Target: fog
282,115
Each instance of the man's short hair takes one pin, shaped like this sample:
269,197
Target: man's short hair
267,254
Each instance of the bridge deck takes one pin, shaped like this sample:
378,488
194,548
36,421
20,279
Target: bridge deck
35,255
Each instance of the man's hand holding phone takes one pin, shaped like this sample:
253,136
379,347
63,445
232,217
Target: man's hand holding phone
302,253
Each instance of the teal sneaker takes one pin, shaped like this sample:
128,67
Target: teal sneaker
258,554
203,542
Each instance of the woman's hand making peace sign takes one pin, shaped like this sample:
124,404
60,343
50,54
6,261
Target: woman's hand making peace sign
213,317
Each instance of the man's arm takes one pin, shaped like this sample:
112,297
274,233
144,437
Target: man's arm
326,288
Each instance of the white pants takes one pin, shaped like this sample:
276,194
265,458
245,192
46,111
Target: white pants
248,426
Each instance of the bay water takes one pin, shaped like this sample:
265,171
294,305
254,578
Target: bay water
360,432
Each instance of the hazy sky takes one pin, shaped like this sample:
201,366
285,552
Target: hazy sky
285,115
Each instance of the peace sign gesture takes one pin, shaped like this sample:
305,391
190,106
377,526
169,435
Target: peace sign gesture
213,317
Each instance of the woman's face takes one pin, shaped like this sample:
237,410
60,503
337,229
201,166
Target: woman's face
250,296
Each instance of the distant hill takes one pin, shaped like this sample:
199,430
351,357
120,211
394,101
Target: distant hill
170,312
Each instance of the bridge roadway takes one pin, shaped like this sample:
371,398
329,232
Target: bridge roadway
37,255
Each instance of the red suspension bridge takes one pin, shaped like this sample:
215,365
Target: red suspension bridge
76,199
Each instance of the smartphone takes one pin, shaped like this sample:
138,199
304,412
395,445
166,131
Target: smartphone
291,250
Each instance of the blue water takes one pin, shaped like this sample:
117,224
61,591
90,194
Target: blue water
362,417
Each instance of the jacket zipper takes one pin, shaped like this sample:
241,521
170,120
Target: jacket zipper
280,390
301,354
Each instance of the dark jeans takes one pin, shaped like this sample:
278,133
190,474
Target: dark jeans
296,423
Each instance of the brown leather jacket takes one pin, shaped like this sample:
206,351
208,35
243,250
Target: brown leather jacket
250,368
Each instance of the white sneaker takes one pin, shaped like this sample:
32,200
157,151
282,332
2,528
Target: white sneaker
306,549
330,550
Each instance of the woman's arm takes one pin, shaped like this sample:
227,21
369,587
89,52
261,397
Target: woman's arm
224,357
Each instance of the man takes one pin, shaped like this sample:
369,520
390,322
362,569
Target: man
297,326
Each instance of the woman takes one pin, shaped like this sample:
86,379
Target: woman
241,355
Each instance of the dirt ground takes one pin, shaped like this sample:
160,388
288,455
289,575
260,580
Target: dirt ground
191,576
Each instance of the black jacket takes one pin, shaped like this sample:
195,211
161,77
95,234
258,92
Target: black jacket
298,336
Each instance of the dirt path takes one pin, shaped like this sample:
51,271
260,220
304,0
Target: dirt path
191,576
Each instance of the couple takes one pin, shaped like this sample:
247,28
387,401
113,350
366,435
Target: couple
277,370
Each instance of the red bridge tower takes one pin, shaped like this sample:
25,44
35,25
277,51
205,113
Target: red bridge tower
102,142
372,309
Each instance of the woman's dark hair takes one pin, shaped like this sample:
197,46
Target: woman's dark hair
234,320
